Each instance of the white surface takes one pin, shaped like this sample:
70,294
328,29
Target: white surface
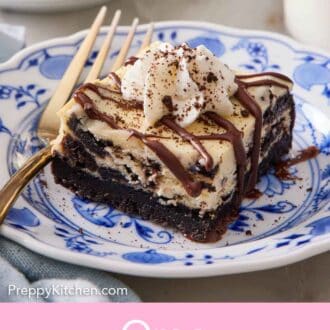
305,281
309,23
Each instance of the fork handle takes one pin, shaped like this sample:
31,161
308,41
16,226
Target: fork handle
21,178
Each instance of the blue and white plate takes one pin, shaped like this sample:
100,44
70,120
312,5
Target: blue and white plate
290,222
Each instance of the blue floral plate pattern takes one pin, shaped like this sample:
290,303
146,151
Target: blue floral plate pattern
290,222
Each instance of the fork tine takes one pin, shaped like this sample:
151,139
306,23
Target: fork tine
101,57
125,48
147,38
73,72
49,121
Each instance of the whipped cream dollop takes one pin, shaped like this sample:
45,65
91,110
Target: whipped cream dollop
179,81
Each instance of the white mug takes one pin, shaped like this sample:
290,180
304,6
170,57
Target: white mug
309,21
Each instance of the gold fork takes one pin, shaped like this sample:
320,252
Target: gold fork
49,122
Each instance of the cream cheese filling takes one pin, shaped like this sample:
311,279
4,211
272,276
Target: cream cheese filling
136,156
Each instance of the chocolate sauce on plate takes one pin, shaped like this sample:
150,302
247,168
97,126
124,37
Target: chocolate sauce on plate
282,168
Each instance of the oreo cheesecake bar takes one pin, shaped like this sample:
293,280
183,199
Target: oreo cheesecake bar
174,137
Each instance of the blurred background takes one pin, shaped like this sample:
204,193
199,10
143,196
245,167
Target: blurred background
50,23
307,21
43,19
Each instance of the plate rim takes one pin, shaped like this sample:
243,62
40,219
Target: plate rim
161,271
292,43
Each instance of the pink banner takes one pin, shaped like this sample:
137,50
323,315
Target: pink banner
164,316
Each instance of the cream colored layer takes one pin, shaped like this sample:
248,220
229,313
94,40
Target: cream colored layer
167,185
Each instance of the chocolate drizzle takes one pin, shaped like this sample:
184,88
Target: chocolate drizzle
262,82
266,73
253,194
88,105
131,60
192,139
122,103
250,104
234,136
302,156
192,187
116,79
282,168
